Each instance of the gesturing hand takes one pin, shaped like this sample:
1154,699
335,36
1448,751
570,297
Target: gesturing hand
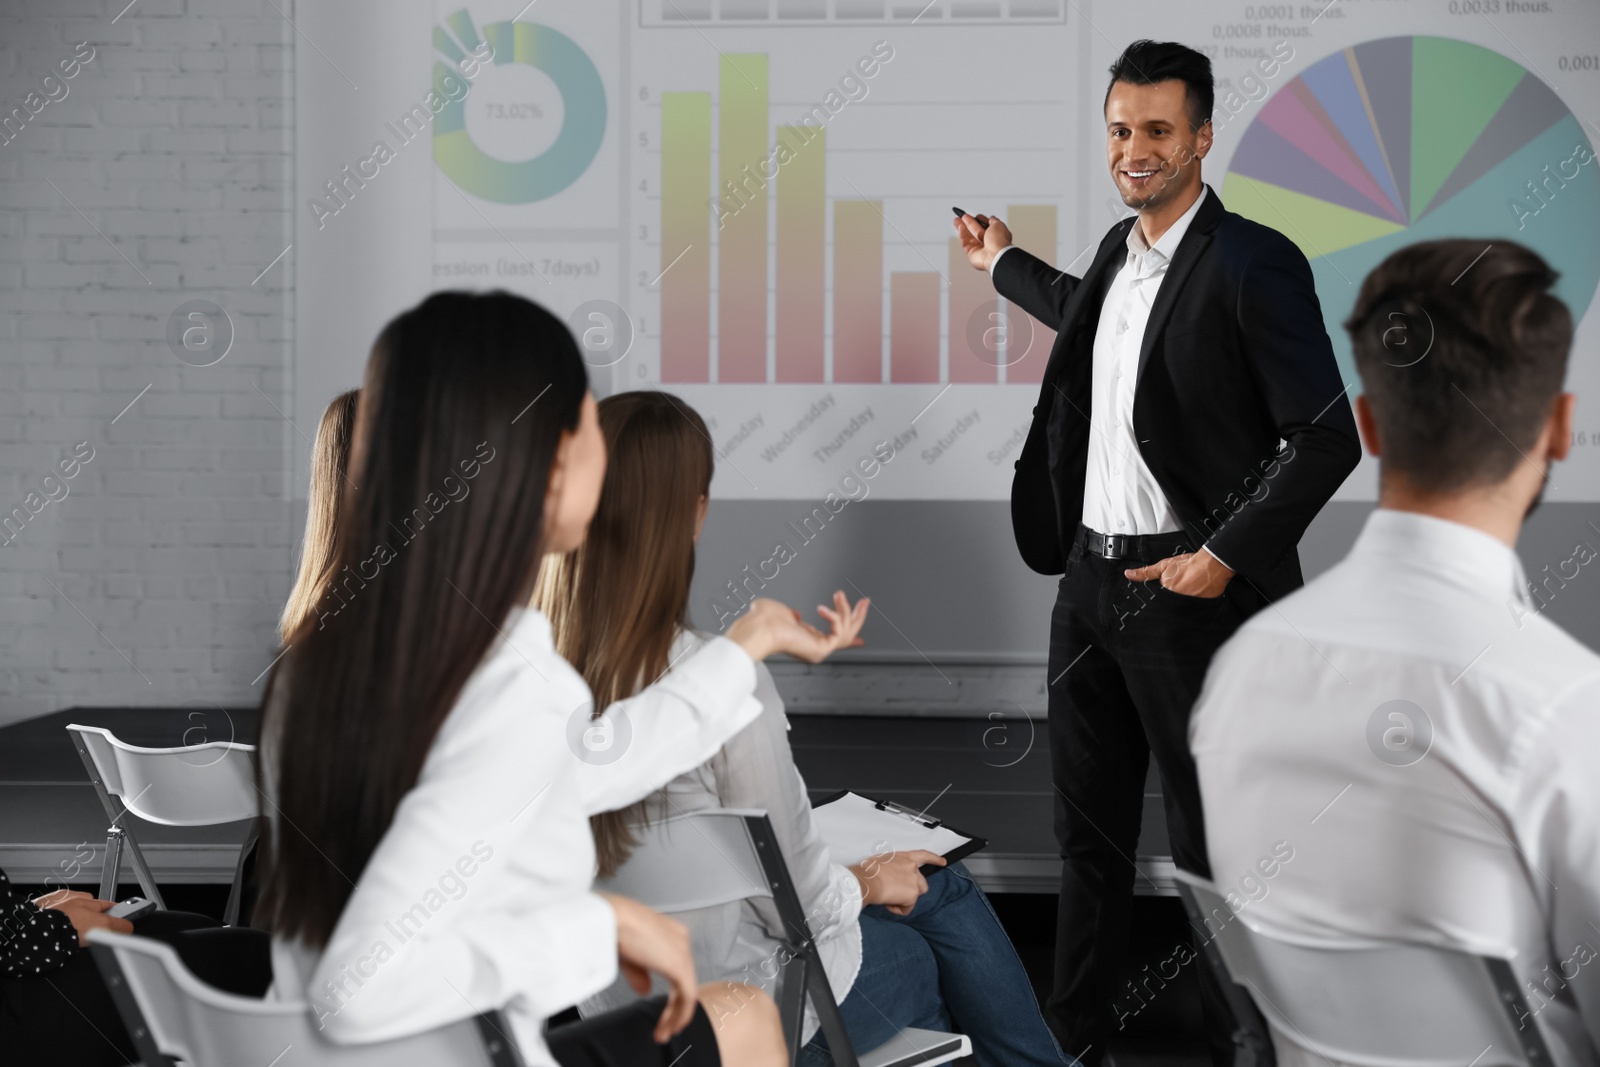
85,911
1191,574
894,879
979,243
770,627
647,942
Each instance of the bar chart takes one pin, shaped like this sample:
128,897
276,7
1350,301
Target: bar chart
796,275
782,170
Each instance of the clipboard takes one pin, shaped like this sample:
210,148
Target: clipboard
856,827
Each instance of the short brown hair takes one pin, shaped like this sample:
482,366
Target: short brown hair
1462,349
1147,62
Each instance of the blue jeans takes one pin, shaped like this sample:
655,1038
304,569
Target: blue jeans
946,966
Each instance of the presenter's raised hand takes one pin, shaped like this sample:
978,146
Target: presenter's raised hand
982,238
770,627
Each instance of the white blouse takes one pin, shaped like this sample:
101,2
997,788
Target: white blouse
740,940
479,893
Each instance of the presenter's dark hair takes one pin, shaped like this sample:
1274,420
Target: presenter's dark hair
1462,350
461,411
1148,62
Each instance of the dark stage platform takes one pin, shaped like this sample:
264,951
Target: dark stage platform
986,776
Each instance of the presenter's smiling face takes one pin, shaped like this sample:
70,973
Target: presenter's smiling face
1154,152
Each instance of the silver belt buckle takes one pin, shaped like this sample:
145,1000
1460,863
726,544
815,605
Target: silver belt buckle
1115,545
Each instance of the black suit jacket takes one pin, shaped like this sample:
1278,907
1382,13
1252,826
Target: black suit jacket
1235,358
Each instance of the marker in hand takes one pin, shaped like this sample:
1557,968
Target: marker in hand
981,222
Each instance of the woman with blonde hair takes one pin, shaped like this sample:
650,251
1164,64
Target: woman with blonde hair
900,950
330,458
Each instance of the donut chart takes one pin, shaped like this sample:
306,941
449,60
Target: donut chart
1408,139
582,131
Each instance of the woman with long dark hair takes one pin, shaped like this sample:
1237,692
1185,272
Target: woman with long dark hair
427,754
900,950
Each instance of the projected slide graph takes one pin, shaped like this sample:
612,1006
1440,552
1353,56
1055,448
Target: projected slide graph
574,77
1409,139
850,345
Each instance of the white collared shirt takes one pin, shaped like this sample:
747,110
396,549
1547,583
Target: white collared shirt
479,893
1120,495
1428,746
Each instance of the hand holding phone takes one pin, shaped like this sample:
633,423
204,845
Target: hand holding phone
131,908
86,913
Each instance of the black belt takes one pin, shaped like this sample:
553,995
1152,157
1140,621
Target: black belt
1143,547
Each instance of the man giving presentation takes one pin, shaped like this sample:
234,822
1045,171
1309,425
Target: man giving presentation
1191,423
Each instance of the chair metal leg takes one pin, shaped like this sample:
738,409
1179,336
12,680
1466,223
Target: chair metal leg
230,915
144,1043
495,1031
827,1009
112,810
111,864
806,966
141,869
792,1003
115,836
1516,1009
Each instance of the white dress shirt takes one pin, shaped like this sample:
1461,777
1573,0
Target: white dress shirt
1120,495
479,894
741,940
1426,744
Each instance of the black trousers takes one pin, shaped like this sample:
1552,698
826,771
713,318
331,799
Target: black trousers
622,1038
1127,660
66,1015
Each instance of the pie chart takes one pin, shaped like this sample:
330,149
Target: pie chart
583,127
1409,139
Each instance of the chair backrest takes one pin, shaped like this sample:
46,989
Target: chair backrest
696,860
720,855
193,785
1374,1003
717,856
170,1014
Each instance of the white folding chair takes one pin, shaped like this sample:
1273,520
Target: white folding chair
1375,1003
193,785
172,1016
718,856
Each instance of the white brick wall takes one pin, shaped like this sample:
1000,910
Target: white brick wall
173,546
